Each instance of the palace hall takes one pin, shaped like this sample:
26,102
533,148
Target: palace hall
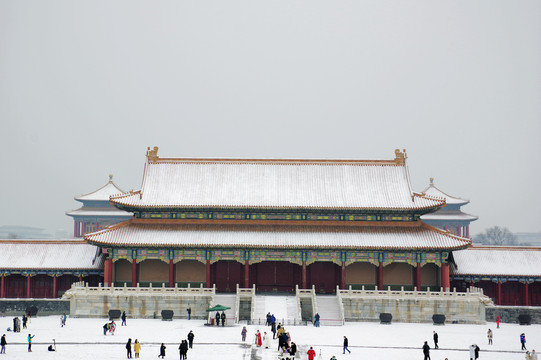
277,223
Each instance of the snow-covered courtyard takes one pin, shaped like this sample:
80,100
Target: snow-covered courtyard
84,339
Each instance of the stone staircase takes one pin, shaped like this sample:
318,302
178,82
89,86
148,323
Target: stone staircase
284,309
226,300
329,311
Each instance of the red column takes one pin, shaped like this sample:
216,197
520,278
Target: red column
499,293
134,272
303,275
75,229
343,276
28,287
380,276
171,273
84,229
526,301
418,276
468,231
246,274
2,294
208,273
55,286
445,283
108,272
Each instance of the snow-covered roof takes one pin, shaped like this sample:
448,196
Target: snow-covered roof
49,254
498,260
140,233
99,211
277,184
432,190
449,215
103,193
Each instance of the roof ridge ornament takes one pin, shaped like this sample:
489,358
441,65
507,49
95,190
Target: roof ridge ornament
152,155
400,156
110,177
431,181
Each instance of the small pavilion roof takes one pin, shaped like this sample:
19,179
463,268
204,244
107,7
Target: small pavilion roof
498,261
432,190
276,184
103,193
49,255
156,234
449,215
99,211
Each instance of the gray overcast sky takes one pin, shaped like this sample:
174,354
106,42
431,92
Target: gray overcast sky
86,86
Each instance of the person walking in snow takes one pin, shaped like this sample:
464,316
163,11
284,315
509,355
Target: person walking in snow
498,322
311,354
266,340
534,355
268,319
190,339
162,351
189,311
217,318
316,319
3,344
523,341
128,348
112,327
426,351
273,329
183,349
123,317
136,348
29,339
243,333
489,336
258,341
25,320
436,340
346,344
293,349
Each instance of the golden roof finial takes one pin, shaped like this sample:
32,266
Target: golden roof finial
110,177
400,156
431,181
152,155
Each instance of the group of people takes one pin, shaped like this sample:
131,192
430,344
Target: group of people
219,317
17,323
109,327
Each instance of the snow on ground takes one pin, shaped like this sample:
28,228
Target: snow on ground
84,339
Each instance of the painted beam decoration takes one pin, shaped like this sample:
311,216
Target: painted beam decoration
217,215
292,256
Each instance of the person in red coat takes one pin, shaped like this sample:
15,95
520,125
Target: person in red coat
311,354
258,340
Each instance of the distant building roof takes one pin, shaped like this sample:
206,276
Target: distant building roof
96,204
432,190
140,233
103,193
498,261
276,184
49,255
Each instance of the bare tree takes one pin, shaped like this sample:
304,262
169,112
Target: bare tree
496,236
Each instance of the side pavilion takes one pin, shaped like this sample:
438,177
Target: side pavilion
275,224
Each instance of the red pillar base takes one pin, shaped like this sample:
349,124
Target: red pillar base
171,274
445,283
208,273
418,276
303,284
246,274
108,273
380,276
